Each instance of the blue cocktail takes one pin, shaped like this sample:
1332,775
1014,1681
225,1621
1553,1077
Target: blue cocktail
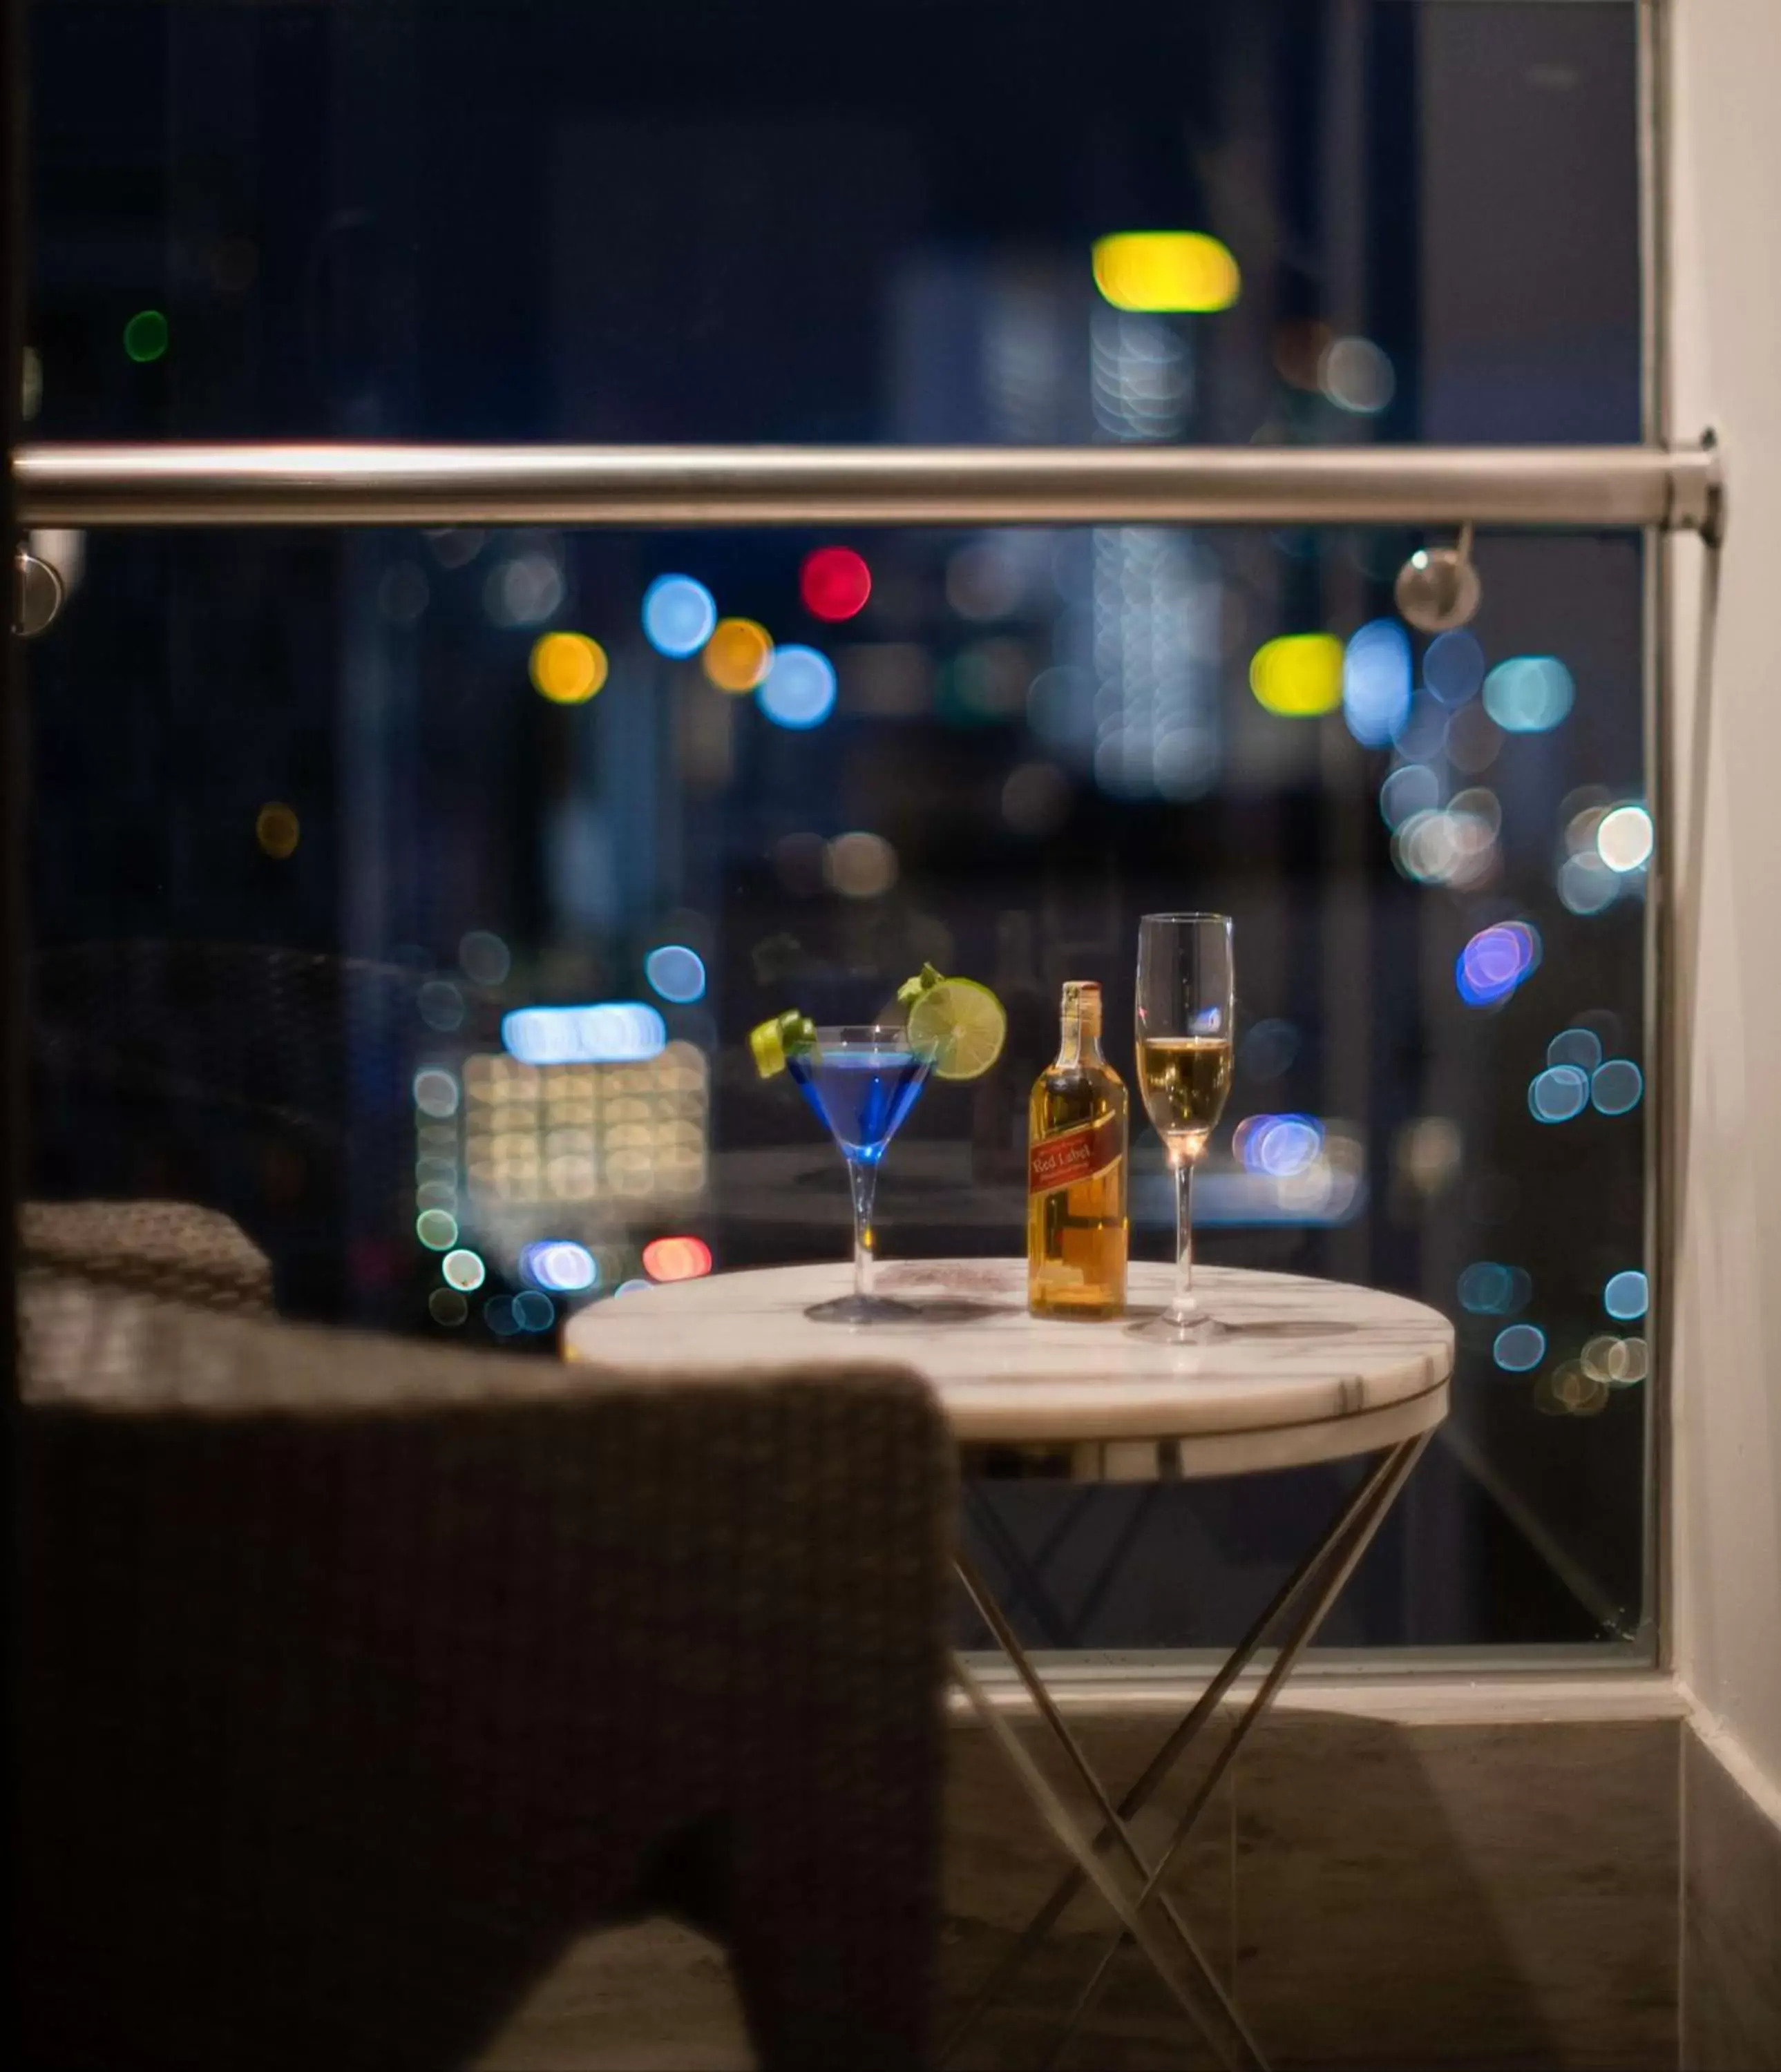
860,1095
862,1082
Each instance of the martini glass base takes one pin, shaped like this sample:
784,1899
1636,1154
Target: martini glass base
865,1310
1199,1329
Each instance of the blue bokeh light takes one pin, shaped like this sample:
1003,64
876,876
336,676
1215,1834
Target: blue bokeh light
1279,1145
1412,788
1453,667
798,690
498,1314
1488,1290
1618,1086
1495,961
1519,1348
1627,1296
533,1312
678,616
676,973
1529,693
1575,1046
560,1264
615,1032
1559,1093
1376,681
1421,736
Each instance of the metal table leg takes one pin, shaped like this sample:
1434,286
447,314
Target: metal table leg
1025,1573
1296,1611
1097,1872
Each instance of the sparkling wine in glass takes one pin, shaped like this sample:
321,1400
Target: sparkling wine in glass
862,1082
1185,1003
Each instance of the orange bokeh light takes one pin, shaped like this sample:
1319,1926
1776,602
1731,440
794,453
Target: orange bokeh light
568,668
677,1258
737,656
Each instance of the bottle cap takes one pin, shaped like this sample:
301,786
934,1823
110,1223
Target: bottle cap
1082,1001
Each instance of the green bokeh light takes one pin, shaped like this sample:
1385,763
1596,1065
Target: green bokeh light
145,335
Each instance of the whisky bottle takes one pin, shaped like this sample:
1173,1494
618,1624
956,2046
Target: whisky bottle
1075,1172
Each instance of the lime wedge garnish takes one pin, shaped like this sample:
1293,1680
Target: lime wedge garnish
962,1023
925,981
772,1043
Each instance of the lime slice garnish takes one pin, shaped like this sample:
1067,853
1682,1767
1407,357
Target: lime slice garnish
772,1043
962,1023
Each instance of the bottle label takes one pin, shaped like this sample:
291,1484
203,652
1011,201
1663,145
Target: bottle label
1074,1154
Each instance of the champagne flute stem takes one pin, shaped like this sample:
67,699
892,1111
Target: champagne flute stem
865,1179
1184,1308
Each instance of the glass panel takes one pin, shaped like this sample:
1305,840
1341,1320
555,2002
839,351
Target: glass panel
669,219
461,759
314,812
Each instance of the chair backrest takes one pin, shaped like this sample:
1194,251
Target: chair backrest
249,1029
175,1250
356,1675
274,1084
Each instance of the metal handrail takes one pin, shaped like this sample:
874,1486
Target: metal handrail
1580,487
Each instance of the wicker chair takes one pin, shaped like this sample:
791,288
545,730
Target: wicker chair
172,1249
358,1677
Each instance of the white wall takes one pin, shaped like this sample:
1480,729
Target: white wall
1725,315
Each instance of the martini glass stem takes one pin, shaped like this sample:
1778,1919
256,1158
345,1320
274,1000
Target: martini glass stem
1184,1309
865,1179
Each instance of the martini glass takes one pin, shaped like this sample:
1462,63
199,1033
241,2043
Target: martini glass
862,1081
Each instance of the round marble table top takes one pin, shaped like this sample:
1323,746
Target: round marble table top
1309,1370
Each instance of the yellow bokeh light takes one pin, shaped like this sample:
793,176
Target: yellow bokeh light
736,655
1298,676
1165,269
276,830
568,668
557,1134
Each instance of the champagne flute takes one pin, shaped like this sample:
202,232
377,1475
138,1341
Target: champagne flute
1185,1005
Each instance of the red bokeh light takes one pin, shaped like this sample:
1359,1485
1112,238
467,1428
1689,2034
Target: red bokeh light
677,1258
836,582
